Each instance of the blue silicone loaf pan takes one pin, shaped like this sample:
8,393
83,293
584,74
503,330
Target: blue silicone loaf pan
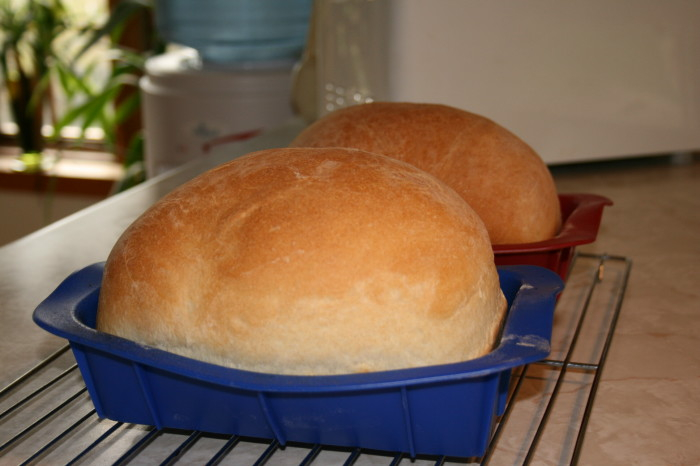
437,410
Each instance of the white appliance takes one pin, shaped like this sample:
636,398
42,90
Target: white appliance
577,80
190,108
229,77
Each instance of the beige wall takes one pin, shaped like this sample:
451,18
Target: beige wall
22,212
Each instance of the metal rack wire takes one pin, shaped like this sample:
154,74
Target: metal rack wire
47,417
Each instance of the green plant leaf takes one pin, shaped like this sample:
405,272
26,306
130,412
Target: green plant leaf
121,12
127,107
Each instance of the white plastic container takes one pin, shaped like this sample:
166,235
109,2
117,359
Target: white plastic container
189,108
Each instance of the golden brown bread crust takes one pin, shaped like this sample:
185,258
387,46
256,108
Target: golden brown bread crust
498,174
307,261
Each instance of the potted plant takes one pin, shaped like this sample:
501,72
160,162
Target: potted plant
27,56
32,33
113,102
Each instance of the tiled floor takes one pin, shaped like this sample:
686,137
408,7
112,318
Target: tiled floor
648,405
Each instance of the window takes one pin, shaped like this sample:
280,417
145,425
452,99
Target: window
62,24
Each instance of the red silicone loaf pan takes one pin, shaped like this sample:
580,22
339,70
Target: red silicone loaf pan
581,216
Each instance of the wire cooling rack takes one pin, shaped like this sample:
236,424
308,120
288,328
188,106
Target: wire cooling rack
46,416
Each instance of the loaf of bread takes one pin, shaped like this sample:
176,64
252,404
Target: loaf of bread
307,261
499,175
